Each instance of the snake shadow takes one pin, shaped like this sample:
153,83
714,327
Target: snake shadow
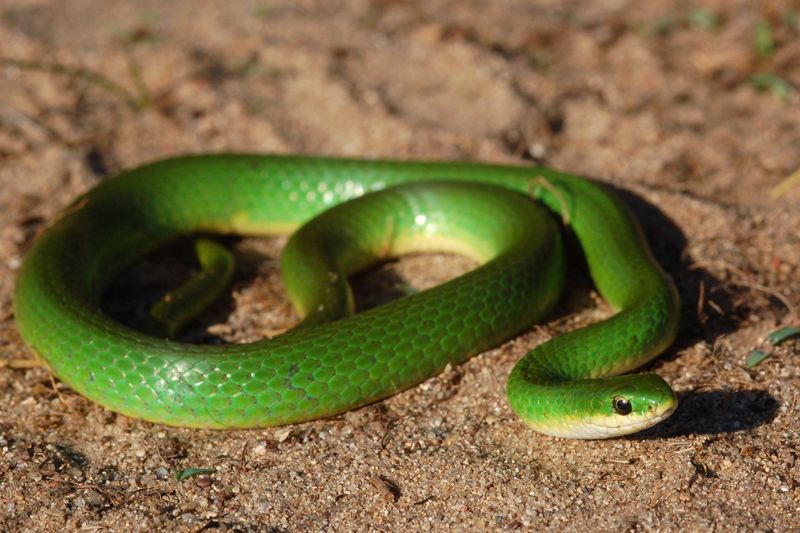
715,412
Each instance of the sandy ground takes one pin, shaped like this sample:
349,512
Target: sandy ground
691,109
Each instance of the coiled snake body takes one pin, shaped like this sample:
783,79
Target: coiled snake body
336,360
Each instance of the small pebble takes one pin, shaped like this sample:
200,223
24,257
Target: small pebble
189,517
260,449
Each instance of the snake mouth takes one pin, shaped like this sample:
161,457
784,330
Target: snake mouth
607,427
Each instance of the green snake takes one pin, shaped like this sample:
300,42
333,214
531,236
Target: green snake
360,212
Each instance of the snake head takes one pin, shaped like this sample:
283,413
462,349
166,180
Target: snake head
596,408
629,404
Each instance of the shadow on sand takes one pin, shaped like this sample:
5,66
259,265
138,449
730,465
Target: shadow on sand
715,412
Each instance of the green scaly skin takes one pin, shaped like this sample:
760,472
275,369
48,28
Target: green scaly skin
323,368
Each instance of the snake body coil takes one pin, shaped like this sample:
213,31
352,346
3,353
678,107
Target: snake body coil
326,367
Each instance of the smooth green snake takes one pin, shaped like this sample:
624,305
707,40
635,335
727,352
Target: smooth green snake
335,360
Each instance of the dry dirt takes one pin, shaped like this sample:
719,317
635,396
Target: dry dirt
690,108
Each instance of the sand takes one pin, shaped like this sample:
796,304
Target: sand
657,99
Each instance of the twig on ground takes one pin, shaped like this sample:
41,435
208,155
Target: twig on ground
136,102
784,186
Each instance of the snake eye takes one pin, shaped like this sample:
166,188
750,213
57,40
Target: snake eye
621,405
